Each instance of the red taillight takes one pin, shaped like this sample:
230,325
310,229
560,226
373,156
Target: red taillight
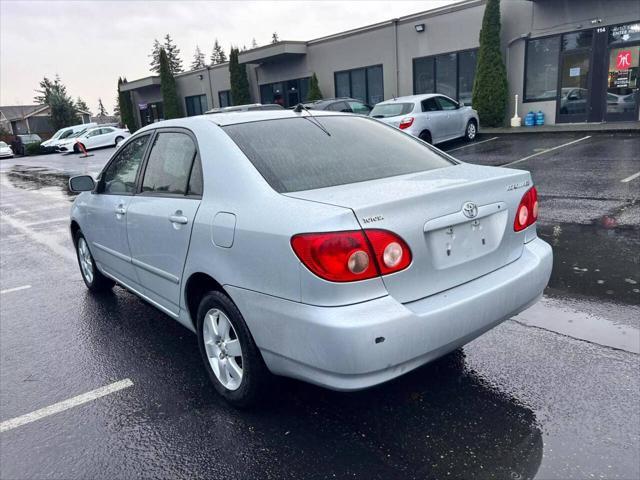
405,123
351,255
527,212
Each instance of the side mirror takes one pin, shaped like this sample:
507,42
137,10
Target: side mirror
82,183
460,104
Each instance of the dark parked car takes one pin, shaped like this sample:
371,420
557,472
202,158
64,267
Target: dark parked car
345,104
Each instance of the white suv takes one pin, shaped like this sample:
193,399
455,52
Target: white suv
432,117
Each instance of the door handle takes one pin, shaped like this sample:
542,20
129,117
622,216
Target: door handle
120,210
178,218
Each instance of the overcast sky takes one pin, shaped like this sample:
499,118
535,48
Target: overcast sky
90,43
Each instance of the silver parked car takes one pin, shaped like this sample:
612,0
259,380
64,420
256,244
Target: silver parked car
432,117
329,248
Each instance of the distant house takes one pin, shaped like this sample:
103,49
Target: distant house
21,119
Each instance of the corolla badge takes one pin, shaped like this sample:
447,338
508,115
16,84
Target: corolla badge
470,210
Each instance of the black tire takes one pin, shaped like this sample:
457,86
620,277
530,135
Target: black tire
471,131
118,140
255,374
98,282
426,137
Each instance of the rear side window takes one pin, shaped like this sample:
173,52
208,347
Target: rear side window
120,175
430,105
169,164
391,110
295,154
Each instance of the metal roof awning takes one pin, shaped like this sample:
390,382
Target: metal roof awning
274,52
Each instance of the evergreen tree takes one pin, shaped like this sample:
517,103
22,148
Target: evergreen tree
102,112
82,105
54,95
254,44
217,55
170,101
490,86
173,55
238,76
116,107
126,107
314,89
274,38
154,66
198,59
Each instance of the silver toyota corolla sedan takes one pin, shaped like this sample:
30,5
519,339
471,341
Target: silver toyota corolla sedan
331,248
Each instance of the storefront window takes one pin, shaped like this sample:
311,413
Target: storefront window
571,41
623,79
196,105
541,82
364,84
287,94
451,74
224,98
466,75
446,74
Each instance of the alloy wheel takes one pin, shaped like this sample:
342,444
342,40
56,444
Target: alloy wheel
471,131
223,348
86,262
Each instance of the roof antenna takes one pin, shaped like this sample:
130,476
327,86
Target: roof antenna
300,107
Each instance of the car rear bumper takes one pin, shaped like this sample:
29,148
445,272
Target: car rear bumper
358,346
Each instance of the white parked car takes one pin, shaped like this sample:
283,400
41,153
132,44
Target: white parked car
5,150
432,117
64,134
94,138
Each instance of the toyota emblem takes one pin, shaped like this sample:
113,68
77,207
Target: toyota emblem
470,210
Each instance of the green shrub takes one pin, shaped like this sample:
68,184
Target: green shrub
32,149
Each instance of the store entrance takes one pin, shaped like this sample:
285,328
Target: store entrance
622,83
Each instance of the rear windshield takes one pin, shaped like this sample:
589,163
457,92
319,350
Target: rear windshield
391,110
295,154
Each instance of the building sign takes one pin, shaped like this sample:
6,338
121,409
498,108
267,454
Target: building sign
623,60
622,78
142,106
625,33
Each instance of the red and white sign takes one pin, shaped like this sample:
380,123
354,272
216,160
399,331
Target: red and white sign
623,60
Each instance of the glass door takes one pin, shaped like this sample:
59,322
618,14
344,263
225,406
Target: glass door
574,100
622,84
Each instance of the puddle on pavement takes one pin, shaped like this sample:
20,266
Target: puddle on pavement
594,260
38,178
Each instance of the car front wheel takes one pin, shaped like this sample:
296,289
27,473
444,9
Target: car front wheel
230,355
471,131
93,279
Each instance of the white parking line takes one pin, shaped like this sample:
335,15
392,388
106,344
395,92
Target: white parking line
65,405
51,220
545,151
471,144
14,289
630,177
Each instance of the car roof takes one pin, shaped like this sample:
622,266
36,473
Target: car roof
232,118
411,98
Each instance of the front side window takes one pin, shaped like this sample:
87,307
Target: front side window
359,108
446,104
120,176
169,164
295,154
541,81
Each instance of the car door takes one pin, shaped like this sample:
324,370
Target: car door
433,119
106,227
160,217
452,117
92,139
107,136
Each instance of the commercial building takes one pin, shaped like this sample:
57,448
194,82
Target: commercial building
574,60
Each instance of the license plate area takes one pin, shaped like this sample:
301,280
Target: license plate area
455,239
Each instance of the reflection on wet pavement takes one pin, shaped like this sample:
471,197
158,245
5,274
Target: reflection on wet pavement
36,178
594,260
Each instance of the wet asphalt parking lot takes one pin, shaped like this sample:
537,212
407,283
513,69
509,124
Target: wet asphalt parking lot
552,393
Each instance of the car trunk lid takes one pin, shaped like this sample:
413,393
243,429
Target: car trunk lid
457,221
